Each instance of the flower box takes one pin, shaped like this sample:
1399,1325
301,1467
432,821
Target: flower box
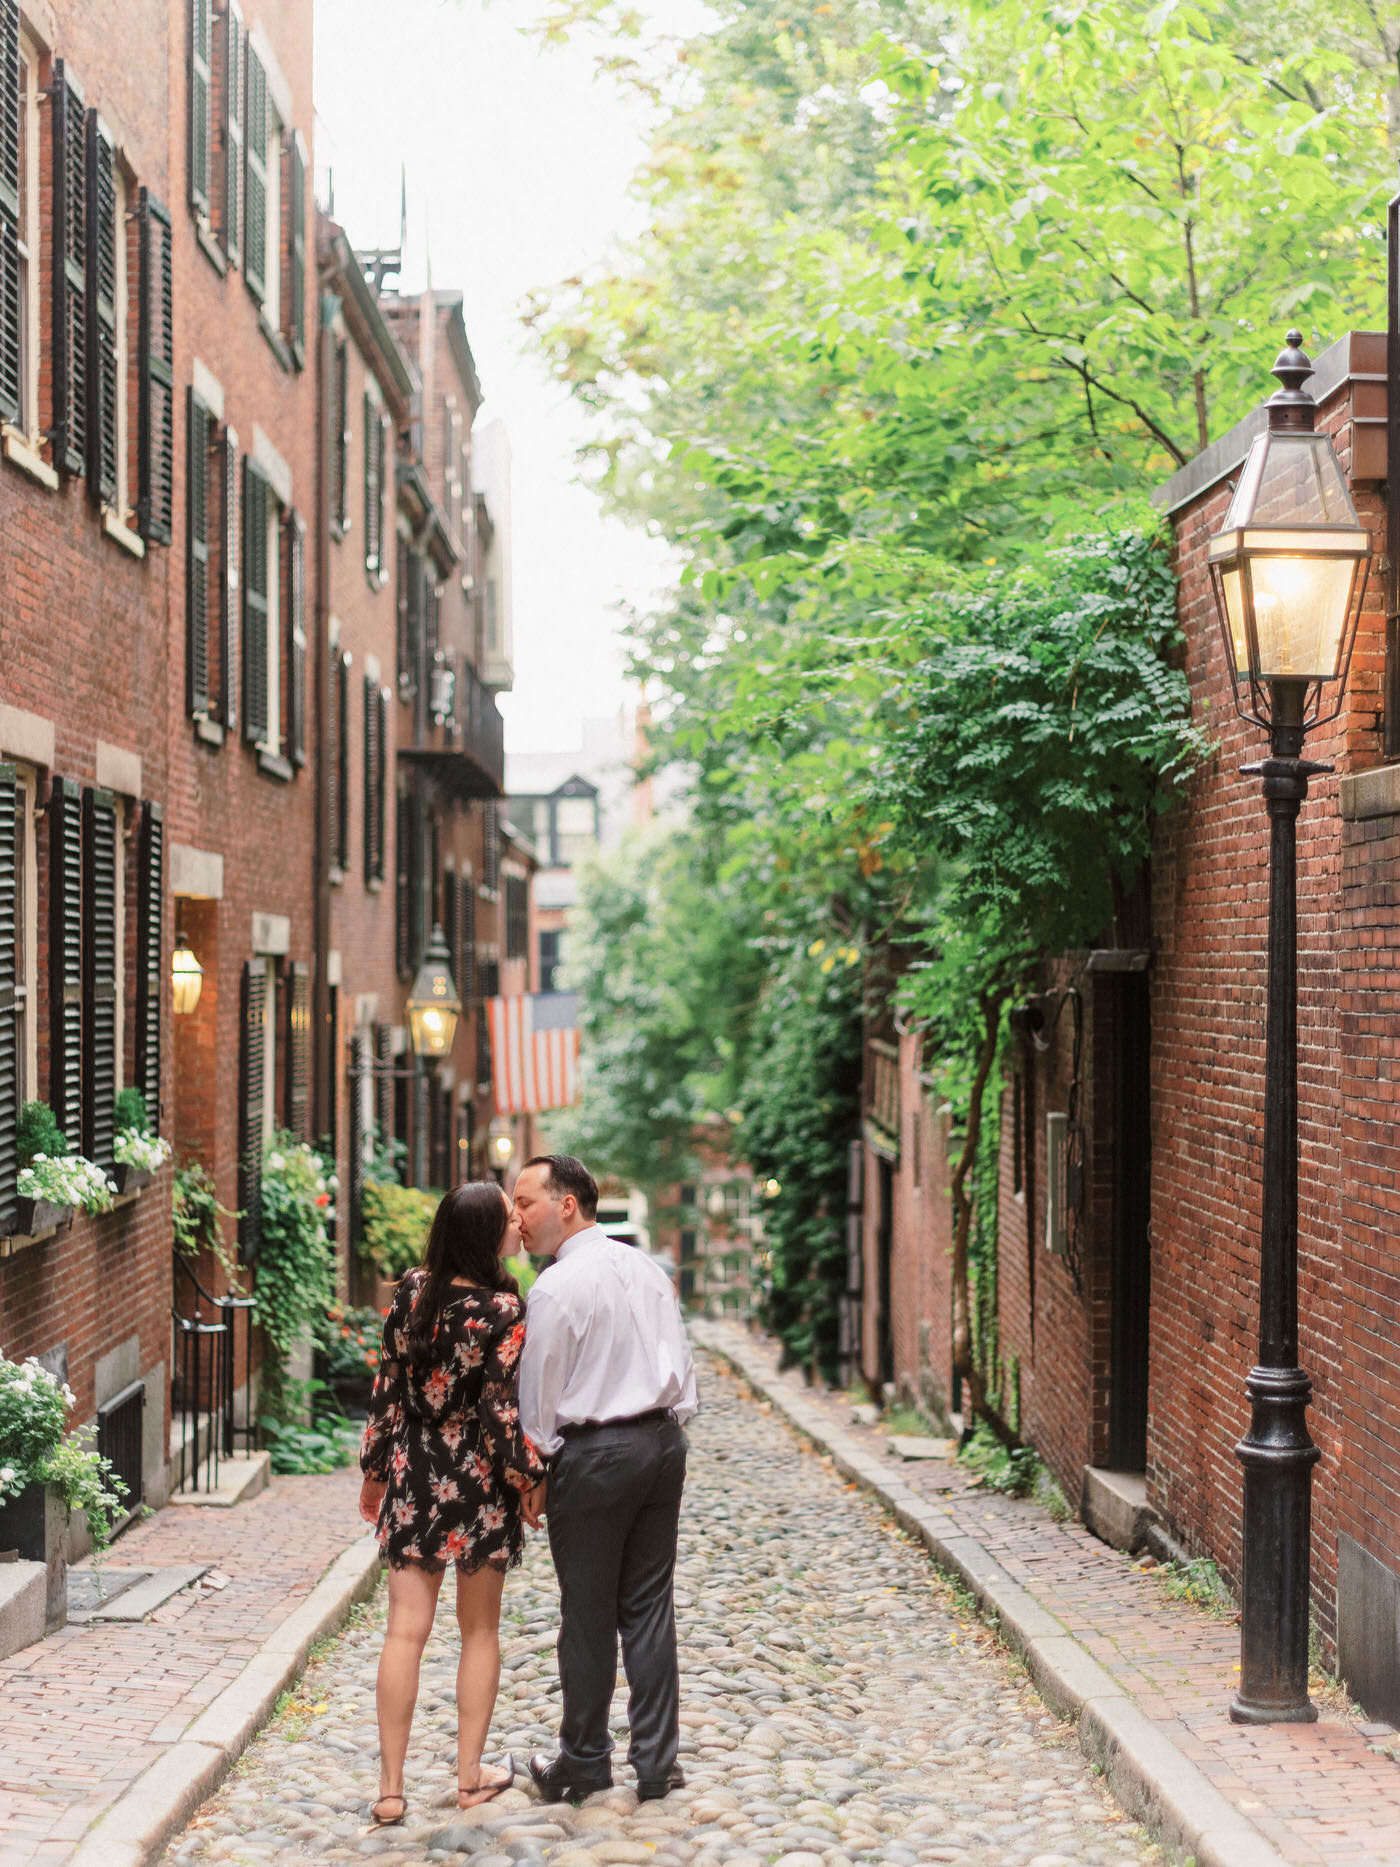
41,1215
129,1178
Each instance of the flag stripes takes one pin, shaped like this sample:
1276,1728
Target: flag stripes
534,1060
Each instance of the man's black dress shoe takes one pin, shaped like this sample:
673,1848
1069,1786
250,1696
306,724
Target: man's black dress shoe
653,1788
557,1784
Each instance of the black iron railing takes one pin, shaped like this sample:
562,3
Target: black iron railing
204,1391
482,728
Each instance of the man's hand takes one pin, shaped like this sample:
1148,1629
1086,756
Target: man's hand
532,1504
371,1497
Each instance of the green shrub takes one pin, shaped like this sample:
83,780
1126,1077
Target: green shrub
295,1281
130,1114
39,1133
394,1225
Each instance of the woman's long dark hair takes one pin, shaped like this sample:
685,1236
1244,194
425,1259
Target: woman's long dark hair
464,1241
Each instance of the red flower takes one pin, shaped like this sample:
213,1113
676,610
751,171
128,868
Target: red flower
323,1199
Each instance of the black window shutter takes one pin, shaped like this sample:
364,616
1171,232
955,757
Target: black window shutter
233,132
466,954
9,211
156,374
197,557
374,544
340,841
255,255
373,854
201,63
100,961
10,857
102,235
69,255
360,1062
66,958
255,603
150,929
251,1061
299,1052
450,917
381,777
411,680
230,607
340,440
296,311
492,828
296,639
383,1081
404,894
384,521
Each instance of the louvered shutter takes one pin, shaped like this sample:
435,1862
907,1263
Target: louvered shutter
340,841
402,562
374,544
373,865
299,1053
10,856
384,522
255,254
384,1082
65,958
102,234
100,857
381,781
255,603
296,639
201,62
197,557
230,606
150,970
251,1062
413,625
156,373
296,324
233,132
492,831
340,440
404,870
451,903
466,952
360,1062
9,211
69,256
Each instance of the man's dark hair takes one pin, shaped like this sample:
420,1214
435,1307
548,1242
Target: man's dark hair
564,1174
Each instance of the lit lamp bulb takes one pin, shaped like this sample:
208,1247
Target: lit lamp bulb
772,1188
503,1147
186,979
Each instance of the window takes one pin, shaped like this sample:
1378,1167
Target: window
551,957
517,917
575,829
19,227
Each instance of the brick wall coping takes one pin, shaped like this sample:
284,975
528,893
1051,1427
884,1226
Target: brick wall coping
1357,357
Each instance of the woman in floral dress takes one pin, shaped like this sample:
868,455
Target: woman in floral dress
448,1477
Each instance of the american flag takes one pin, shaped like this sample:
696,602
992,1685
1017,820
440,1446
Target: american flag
534,1051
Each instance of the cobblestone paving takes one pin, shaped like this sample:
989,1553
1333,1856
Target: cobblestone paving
839,1705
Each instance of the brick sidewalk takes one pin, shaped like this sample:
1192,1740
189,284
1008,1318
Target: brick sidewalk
1323,1793
85,1711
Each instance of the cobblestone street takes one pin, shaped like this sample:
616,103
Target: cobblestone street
838,1705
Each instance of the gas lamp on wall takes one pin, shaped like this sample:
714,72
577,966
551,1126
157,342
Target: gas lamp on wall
433,1006
1289,571
186,978
502,1147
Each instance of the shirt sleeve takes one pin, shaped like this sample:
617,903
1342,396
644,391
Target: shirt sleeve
544,1365
514,1459
386,1396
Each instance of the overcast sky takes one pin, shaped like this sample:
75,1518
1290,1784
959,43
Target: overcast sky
518,163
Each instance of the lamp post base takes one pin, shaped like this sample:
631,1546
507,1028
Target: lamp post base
1246,1711
1278,1455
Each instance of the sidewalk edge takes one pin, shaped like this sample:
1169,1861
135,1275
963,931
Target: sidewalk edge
1153,1780
164,1796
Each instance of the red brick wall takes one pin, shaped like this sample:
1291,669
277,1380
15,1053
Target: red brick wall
1210,903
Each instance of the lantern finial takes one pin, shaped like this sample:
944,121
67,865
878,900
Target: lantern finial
1292,406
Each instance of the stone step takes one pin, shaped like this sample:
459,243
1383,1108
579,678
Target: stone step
143,1598
241,1475
23,1592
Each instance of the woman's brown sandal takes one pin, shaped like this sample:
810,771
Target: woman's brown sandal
485,1792
387,1821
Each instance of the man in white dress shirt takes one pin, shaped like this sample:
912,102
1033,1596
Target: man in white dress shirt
606,1381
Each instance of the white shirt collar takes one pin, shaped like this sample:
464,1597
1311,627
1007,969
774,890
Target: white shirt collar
590,1235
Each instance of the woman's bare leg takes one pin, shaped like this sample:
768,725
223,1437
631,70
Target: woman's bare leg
478,1670
413,1594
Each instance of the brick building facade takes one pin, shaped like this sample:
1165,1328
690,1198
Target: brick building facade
244,630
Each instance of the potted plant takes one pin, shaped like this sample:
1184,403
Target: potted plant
53,1181
139,1155
46,1473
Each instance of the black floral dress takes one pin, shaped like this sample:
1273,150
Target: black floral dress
445,1434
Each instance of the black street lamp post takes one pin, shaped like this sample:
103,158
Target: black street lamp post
1289,572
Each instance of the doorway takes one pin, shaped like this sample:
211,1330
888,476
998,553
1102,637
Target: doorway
1130,1257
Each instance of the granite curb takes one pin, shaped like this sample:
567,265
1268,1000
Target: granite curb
165,1795
1150,1777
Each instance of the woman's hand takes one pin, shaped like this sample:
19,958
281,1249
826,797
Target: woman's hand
371,1497
532,1504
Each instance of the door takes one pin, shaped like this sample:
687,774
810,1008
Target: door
1129,1255
885,1247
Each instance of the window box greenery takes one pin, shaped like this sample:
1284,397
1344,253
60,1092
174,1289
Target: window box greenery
53,1181
33,1216
138,1154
